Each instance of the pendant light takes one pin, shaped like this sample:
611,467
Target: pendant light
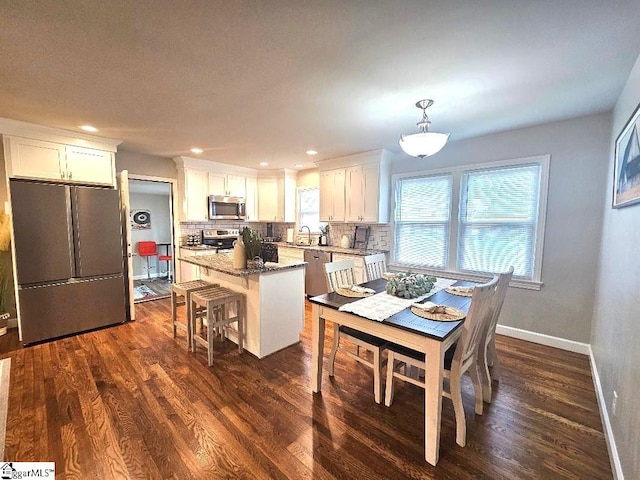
424,143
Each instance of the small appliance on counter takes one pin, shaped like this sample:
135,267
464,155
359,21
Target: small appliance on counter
220,239
193,240
290,235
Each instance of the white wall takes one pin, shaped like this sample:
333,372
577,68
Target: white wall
159,232
578,148
615,339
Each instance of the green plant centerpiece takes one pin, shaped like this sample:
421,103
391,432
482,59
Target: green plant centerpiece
410,285
252,242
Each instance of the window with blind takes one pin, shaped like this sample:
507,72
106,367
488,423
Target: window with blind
495,221
309,208
498,220
423,207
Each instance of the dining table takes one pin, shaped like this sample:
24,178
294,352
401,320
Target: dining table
430,337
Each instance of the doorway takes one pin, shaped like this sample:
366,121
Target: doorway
152,238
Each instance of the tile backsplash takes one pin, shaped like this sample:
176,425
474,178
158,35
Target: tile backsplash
379,235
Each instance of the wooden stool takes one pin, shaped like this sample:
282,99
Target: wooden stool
181,295
216,301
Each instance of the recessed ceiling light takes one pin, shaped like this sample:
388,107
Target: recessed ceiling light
264,164
88,128
298,165
311,152
196,150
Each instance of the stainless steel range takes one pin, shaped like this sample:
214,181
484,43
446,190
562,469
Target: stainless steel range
220,239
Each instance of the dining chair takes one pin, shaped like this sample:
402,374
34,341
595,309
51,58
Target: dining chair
487,354
342,274
147,249
376,265
458,359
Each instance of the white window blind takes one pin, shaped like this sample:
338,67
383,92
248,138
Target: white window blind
422,221
499,219
309,208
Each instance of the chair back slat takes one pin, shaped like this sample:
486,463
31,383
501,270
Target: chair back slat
477,318
340,274
496,307
376,265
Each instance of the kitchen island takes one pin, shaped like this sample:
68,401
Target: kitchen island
274,299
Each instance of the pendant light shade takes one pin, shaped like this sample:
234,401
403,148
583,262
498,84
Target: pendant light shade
424,143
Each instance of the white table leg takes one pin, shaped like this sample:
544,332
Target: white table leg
317,348
433,377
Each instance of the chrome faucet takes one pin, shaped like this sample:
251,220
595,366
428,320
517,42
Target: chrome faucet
308,233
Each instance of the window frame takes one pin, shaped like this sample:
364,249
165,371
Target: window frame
299,190
457,172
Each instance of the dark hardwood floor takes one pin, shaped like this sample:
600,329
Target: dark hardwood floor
131,402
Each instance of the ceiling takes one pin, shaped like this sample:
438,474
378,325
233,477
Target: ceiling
265,81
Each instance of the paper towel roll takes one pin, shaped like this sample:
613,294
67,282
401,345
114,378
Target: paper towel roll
290,235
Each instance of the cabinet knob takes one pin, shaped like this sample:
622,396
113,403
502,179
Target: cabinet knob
70,175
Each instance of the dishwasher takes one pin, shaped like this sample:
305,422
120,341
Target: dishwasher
315,282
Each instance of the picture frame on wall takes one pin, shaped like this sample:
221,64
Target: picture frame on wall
626,170
140,219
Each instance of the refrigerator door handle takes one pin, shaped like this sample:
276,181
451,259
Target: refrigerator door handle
70,222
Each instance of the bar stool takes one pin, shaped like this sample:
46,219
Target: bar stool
216,301
181,295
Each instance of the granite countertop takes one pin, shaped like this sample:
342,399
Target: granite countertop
198,247
333,249
223,262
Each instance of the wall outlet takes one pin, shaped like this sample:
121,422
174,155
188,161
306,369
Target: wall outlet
614,404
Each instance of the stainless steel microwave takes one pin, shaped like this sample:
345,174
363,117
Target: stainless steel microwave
221,208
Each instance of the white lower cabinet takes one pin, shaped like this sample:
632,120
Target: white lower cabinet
189,271
289,255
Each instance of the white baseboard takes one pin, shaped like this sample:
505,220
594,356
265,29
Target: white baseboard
542,339
616,466
153,275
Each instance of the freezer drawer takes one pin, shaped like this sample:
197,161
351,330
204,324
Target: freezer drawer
62,309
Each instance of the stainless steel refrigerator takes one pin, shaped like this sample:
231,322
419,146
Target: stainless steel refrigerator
69,259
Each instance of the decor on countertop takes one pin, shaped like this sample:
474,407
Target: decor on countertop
345,241
409,285
239,254
424,143
140,219
323,240
626,170
252,243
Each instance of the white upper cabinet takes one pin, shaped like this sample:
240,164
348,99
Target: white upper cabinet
196,191
227,185
277,197
44,160
251,200
197,179
332,192
89,165
268,199
357,193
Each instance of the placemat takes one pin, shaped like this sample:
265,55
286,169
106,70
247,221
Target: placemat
347,292
460,294
442,317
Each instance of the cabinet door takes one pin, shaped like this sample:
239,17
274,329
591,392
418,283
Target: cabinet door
217,184
251,199
370,193
196,191
88,165
267,199
338,196
188,271
354,194
236,186
326,196
286,199
35,159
